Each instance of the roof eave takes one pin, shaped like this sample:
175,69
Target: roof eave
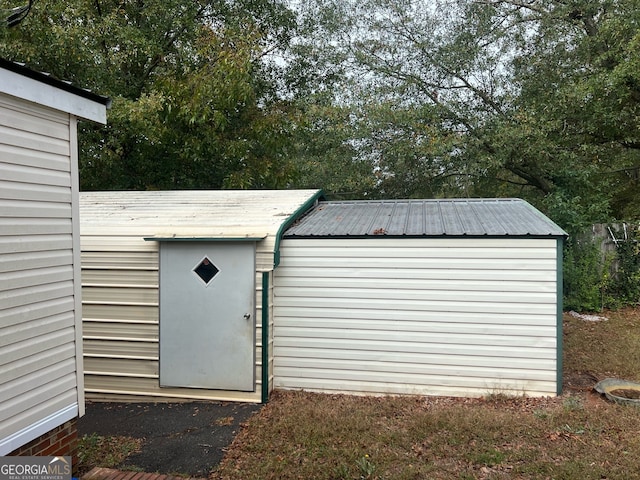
20,81
345,236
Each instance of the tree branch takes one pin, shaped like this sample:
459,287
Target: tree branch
532,179
171,37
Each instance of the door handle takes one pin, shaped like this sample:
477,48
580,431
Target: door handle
247,316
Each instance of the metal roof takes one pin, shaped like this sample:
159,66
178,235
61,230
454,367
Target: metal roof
419,218
192,214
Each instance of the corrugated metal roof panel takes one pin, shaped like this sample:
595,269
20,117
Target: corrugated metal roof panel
454,217
191,214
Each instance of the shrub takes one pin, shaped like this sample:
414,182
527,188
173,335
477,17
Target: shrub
595,279
584,274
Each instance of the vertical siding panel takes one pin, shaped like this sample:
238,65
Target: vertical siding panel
429,316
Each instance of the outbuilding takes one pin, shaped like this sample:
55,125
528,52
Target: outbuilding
434,297
225,295
41,374
177,291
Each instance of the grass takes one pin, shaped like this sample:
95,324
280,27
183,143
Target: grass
577,435
95,450
300,435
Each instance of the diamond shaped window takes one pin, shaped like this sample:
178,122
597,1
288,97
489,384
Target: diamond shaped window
206,270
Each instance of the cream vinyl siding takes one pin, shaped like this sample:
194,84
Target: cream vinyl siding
434,316
121,236
120,324
38,369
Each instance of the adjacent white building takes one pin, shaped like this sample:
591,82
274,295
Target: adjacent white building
41,372
430,297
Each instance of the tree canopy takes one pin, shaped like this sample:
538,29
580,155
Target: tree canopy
191,83
538,99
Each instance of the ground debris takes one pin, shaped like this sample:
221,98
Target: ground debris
588,318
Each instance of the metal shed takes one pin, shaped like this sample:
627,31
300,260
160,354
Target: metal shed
177,291
435,297
41,381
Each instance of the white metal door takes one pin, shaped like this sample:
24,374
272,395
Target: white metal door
207,324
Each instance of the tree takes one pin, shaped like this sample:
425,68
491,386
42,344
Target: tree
191,82
537,99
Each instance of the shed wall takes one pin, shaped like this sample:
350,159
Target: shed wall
120,276
462,317
38,376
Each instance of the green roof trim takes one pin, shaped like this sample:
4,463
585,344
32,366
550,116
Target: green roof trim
559,308
264,397
304,208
